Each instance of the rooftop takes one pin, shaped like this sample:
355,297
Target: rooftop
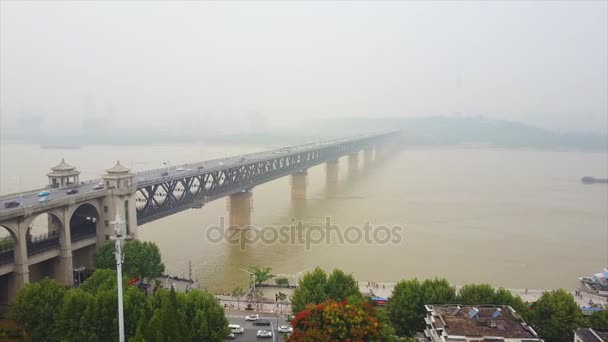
483,320
118,168
63,166
592,335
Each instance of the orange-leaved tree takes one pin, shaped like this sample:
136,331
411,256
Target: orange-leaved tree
353,320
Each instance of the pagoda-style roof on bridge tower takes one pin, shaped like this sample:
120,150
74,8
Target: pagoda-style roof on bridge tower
63,169
63,174
118,169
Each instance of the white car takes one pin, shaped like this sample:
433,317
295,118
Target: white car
179,169
264,333
252,317
285,329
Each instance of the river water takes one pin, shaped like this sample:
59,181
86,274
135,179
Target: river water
513,218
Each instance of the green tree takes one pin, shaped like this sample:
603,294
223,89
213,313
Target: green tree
238,293
76,319
311,289
258,295
36,306
142,259
555,316
598,320
281,281
406,307
506,297
205,316
100,280
477,294
340,286
316,287
261,273
167,322
438,291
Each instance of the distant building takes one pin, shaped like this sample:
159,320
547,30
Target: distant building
590,335
463,323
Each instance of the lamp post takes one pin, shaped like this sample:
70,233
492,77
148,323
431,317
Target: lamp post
118,243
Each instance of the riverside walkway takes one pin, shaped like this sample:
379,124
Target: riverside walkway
379,290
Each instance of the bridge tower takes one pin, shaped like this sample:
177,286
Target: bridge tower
299,181
239,211
120,200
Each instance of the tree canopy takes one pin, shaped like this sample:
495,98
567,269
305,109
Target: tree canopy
262,273
406,309
337,321
555,316
50,312
142,259
316,287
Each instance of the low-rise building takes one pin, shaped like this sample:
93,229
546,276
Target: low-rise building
590,335
467,323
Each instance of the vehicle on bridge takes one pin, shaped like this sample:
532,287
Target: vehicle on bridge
43,193
72,191
98,186
44,199
11,204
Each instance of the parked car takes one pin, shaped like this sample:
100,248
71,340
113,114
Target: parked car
44,199
285,329
72,191
231,336
98,186
262,322
252,317
264,333
43,193
11,204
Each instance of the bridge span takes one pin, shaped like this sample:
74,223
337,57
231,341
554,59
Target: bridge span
80,213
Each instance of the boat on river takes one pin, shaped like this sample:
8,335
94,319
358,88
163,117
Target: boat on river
598,284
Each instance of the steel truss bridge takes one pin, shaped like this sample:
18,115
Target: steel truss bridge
164,192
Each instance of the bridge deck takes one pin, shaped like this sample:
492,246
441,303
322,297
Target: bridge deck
172,189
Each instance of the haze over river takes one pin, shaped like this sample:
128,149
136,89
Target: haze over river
513,218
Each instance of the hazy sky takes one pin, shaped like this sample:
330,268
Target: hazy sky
540,62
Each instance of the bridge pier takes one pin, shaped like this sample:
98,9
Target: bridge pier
299,182
368,156
21,273
332,170
64,271
239,211
353,163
